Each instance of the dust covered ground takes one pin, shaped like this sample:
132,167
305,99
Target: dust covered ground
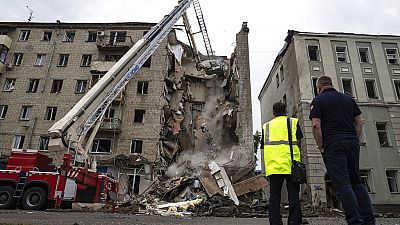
94,218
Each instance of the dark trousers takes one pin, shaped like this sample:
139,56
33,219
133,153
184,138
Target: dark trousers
342,163
276,182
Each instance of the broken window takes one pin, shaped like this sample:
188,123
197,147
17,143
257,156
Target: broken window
44,143
391,54
284,99
147,63
3,53
313,53
17,59
314,85
277,80
40,59
50,113
80,86
18,142
69,36
364,55
392,178
9,84
117,36
33,85
24,35
136,146
134,183
281,72
92,36
110,113
341,54
381,128
96,78
397,88
26,112
63,60
371,88
139,116
57,86
365,178
347,85
142,87
101,146
86,60
3,111
47,35
113,58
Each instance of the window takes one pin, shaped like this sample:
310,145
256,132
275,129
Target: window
44,143
147,63
364,55
277,80
396,71
341,54
26,112
381,128
92,36
3,111
33,85
313,53
24,35
134,180
69,36
371,89
365,178
9,84
281,72
96,78
50,113
136,147
18,142
110,113
392,176
47,36
101,146
314,85
397,88
139,116
80,86
347,85
344,69
142,87
86,60
57,86
391,54
3,53
284,99
40,59
63,60
17,59
117,36
113,58
368,70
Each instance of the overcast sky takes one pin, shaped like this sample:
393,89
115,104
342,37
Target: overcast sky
268,22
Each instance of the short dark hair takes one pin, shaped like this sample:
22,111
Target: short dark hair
324,81
279,108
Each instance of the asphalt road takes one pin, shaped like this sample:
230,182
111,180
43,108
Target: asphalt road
86,218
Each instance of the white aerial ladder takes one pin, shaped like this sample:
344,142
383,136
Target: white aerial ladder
76,131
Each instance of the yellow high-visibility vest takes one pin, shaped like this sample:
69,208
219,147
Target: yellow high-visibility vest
276,146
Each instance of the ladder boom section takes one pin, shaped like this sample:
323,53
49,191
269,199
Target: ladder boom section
91,108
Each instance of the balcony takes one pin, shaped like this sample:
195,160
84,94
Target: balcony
114,44
101,66
5,43
111,125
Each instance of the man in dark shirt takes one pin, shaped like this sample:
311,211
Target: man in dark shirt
337,126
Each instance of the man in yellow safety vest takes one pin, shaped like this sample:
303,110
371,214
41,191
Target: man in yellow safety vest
278,163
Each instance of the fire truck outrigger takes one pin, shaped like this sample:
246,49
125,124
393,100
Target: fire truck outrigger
34,181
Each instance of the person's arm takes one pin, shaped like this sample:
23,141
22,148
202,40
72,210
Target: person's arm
358,122
316,129
299,135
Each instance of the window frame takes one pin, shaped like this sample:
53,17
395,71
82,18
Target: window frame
368,179
4,50
142,89
345,51
49,37
52,90
90,33
51,113
395,90
388,139
396,170
46,147
42,59
17,59
368,54
318,53
143,115
78,87
368,73
353,88
26,112
397,56
86,60
101,139
9,84
314,90
375,88
34,83
17,141
63,60
3,111
68,38
25,37
343,71
141,147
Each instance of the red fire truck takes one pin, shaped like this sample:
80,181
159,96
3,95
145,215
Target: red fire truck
31,182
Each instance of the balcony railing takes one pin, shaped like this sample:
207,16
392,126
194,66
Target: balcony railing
112,43
111,124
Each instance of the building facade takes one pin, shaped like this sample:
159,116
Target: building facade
45,68
365,67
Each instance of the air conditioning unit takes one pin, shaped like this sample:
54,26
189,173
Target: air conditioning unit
8,66
100,33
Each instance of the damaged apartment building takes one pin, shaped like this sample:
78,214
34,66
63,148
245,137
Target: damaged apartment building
180,111
365,67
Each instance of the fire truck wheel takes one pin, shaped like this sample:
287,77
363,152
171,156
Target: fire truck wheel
34,198
7,199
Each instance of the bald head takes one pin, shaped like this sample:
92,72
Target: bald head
323,83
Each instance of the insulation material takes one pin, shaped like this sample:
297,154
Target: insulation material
177,50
